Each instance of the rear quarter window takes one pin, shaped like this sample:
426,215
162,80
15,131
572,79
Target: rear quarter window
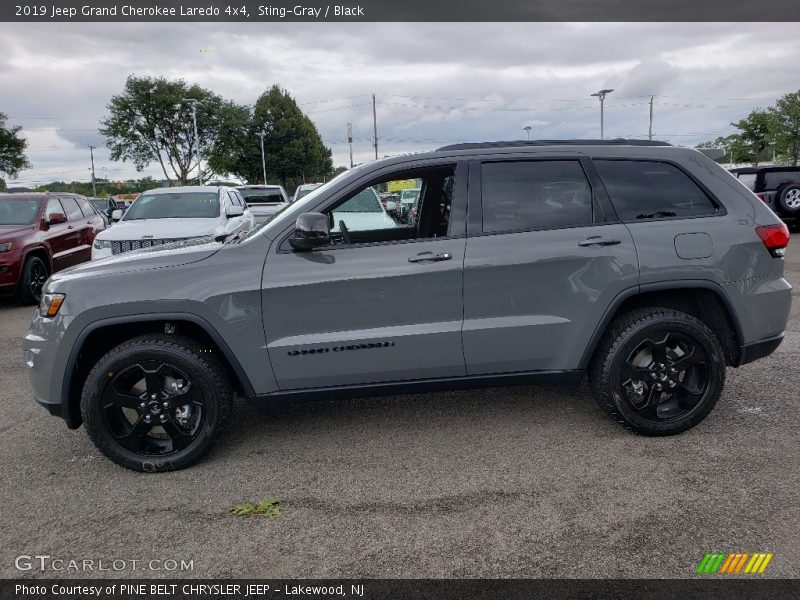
642,190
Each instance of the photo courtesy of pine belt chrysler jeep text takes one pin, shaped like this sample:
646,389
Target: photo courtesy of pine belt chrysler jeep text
646,266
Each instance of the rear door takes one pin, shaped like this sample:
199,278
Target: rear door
545,259
381,304
58,236
80,250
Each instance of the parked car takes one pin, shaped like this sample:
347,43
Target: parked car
778,187
41,233
304,189
168,215
264,200
636,262
105,206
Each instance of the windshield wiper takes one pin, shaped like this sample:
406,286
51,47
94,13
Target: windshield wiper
658,213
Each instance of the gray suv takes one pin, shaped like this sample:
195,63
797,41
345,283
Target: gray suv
647,266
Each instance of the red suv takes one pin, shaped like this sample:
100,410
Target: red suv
41,233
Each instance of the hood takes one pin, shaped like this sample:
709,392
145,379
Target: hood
157,257
139,229
12,231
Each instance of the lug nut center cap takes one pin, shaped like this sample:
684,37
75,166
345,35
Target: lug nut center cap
155,408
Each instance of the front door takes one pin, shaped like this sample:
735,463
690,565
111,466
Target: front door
383,302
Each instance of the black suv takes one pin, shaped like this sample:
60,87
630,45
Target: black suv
778,187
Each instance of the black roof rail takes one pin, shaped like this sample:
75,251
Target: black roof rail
523,143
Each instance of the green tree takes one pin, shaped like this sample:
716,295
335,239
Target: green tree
12,150
786,127
293,147
756,131
148,122
736,150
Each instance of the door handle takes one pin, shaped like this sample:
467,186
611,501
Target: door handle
70,227
424,257
596,240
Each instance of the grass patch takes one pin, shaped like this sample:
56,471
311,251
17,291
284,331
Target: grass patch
263,508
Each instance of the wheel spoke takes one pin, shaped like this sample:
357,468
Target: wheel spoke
687,361
631,373
152,379
112,397
180,439
133,438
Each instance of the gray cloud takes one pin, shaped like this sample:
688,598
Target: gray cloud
436,82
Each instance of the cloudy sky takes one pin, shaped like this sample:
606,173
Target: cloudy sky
435,83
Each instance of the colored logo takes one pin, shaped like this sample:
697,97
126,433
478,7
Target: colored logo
724,563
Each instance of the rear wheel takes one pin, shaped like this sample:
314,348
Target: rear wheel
31,280
658,371
788,201
156,403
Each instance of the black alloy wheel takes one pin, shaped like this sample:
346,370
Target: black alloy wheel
665,376
152,408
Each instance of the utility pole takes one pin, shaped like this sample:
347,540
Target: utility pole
91,154
527,129
350,142
601,95
375,125
194,104
650,129
263,156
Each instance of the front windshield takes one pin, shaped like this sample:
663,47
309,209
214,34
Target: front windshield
99,203
262,196
305,191
18,212
174,205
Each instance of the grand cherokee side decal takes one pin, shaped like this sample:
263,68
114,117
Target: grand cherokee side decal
341,348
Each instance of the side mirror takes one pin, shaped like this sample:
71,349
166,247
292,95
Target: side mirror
116,215
310,231
56,219
234,211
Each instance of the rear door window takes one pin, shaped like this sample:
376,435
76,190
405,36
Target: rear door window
73,210
643,190
523,195
86,208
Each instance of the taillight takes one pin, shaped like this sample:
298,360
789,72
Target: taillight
775,238
762,197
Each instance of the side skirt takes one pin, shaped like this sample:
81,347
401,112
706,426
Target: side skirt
565,378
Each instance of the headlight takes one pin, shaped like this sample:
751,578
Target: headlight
101,244
49,305
6,247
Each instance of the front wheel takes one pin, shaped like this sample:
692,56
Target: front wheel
658,371
31,281
156,403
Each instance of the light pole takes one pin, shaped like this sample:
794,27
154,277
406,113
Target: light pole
601,95
350,142
91,154
263,156
194,104
527,129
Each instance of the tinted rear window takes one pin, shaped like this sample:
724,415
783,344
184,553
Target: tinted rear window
775,179
73,210
650,190
533,195
262,196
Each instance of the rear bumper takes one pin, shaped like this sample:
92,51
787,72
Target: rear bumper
752,352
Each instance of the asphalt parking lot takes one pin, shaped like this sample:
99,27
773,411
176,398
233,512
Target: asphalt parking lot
520,482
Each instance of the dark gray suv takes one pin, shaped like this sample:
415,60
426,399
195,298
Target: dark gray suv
647,266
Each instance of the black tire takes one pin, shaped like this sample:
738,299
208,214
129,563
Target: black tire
31,280
644,394
123,418
788,201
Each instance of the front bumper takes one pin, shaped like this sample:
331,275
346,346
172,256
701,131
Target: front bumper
46,359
